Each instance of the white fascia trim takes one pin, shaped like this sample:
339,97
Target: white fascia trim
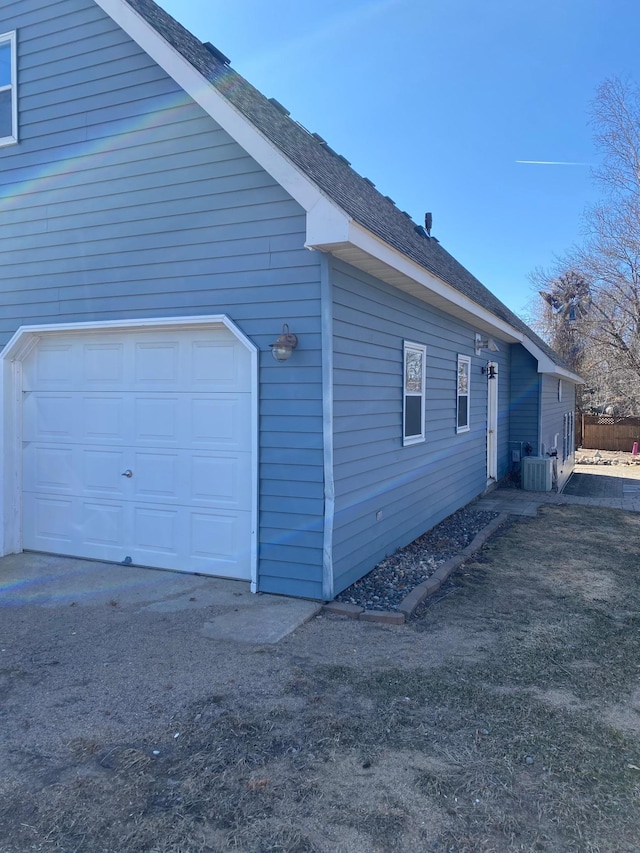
545,365
368,242
11,359
377,248
298,185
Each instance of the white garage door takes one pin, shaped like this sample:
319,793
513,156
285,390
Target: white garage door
137,449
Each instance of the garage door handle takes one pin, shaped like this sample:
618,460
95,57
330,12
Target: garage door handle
127,473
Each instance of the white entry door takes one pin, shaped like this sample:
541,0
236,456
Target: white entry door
492,422
137,449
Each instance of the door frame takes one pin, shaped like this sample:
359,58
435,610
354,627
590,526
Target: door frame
12,357
492,423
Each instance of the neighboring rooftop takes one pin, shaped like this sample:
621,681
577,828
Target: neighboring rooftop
331,172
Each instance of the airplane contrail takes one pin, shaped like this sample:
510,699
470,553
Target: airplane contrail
551,163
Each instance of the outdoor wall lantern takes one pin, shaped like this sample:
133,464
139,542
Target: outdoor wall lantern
281,350
490,370
485,344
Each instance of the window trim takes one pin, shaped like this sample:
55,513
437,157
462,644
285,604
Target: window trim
10,38
463,359
568,435
409,347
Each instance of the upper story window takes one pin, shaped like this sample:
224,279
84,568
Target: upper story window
415,356
8,90
464,374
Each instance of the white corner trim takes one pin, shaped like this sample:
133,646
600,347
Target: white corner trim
292,179
11,359
327,428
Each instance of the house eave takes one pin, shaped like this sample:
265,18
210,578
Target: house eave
364,251
545,365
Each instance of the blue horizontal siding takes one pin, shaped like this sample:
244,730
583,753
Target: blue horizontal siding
525,400
272,583
413,487
124,200
552,415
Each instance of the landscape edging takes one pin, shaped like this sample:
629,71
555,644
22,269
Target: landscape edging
424,590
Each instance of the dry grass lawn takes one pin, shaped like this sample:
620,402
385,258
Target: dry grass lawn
504,717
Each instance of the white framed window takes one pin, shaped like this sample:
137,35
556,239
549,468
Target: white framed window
559,390
8,90
568,436
463,393
415,367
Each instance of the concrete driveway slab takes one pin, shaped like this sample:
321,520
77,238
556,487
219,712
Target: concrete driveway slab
228,608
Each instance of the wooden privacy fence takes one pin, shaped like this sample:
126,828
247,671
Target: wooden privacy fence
606,432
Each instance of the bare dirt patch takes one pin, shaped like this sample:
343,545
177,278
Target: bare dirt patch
502,718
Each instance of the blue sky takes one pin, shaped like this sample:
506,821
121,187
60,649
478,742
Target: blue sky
436,100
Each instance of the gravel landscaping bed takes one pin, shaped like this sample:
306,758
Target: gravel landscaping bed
606,457
386,586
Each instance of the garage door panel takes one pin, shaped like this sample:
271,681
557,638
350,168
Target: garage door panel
49,417
156,475
217,366
101,472
104,525
218,479
156,531
103,363
220,422
50,523
156,419
51,367
219,537
172,407
156,364
48,469
103,418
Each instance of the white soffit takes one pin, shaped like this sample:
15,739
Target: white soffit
363,250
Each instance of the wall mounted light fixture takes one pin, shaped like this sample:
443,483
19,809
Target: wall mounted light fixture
485,344
281,350
490,370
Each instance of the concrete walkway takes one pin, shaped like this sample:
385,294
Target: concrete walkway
616,487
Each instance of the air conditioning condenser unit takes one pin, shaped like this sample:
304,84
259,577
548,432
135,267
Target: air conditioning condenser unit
537,473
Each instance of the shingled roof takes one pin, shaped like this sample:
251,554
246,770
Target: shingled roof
330,172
